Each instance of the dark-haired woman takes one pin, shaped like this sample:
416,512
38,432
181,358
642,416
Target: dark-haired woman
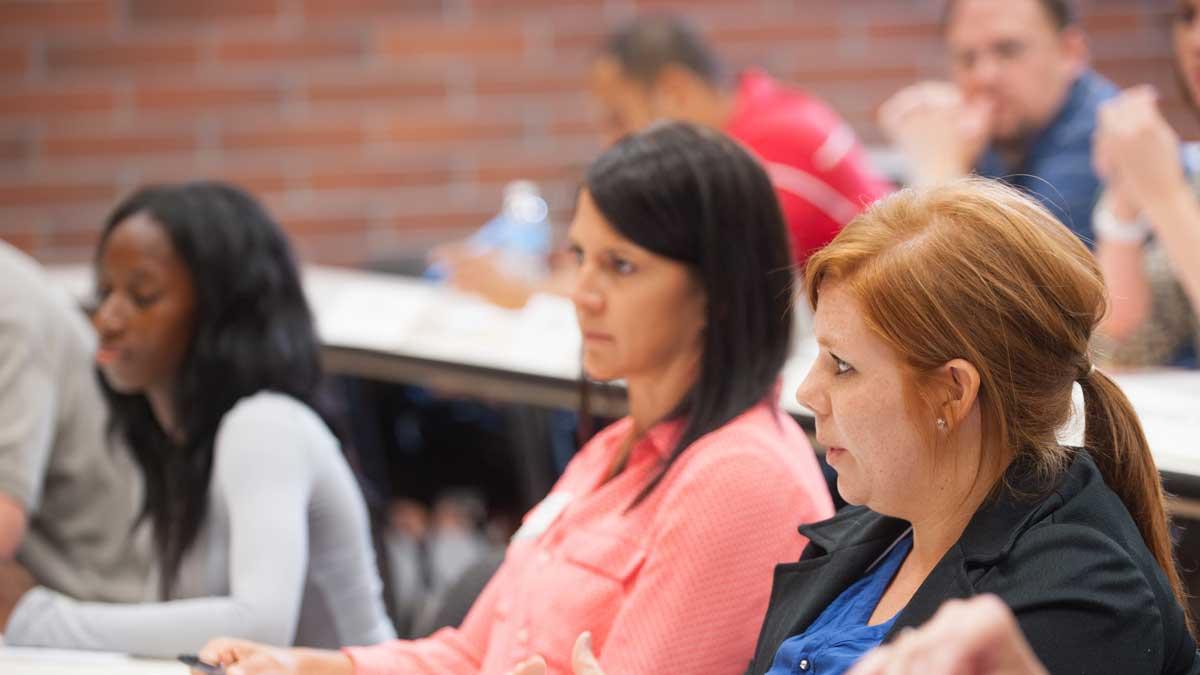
209,362
662,533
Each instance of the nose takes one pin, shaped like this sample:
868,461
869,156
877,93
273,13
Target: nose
585,294
813,393
110,317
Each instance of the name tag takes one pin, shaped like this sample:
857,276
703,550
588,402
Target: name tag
543,515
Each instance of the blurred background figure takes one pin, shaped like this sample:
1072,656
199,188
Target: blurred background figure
70,493
1021,106
660,67
1148,226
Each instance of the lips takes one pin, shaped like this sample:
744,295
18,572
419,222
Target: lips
833,453
596,336
108,355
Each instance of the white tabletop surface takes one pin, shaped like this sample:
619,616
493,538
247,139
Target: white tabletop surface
32,661
414,318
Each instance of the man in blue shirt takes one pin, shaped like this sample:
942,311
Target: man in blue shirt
1022,106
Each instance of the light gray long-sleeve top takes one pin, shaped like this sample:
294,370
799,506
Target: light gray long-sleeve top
284,556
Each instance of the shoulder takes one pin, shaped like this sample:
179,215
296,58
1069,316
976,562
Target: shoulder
1071,585
269,426
762,451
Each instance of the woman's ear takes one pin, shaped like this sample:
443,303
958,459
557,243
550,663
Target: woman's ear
960,380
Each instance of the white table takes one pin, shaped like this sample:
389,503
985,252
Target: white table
31,661
407,330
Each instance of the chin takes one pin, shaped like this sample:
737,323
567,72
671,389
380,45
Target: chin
599,372
122,385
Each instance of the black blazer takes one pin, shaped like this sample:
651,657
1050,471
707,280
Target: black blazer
1071,564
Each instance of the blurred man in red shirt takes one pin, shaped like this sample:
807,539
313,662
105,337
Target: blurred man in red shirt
659,67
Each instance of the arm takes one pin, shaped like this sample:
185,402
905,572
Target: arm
27,412
261,470
699,598
1138,152
12,526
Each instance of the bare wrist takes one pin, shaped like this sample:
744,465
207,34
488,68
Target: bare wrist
323,662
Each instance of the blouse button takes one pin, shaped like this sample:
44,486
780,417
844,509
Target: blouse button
804,664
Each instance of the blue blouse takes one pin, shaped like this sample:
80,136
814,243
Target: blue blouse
840,635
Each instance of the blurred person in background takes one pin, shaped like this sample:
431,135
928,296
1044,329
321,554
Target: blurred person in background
661,535
1148,225
210,369
69,491
660,67
1021,107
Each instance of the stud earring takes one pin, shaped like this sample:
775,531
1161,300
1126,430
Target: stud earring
941,424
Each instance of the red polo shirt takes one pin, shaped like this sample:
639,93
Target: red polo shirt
819,169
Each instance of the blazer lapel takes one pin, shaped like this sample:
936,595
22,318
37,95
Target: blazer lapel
840,550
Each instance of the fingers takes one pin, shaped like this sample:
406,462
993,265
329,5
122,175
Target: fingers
225,651
922,99
583,661
535,665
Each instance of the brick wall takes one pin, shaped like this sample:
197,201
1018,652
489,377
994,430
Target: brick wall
375,126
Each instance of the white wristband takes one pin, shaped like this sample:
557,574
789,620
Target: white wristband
1109,228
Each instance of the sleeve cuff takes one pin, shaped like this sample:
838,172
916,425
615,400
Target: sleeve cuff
22,624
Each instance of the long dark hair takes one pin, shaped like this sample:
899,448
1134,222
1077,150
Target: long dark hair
253,332
695,196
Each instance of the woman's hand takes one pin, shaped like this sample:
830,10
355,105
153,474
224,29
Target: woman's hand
979,636
242,657
15,581
1137,152
583,661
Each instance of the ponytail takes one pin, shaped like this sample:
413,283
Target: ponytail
1114,437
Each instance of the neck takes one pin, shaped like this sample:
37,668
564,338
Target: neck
654,395
162,404
942,525
720,108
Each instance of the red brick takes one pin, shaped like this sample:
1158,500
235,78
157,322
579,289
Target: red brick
191,11
456,219
25,239
312,48
528,81
33,193
773,31
108,144
51,101
355,89
305,225
357,10
472,41
538,171
256,182
190,95
55,15
931,31
378,178
293,136
854,73
73,242
14,60
14,150
447,131
1119,21
121,55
